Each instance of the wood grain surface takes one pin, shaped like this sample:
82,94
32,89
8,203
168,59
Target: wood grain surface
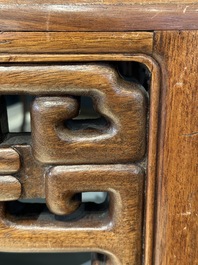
63,58
31,173
9,161
76,16
177,190
10,188
75,42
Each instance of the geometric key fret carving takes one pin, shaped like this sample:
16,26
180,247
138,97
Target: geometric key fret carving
117,232
121,140
58,162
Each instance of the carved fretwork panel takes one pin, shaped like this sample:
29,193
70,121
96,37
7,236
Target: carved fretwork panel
67,155
104,226
121,139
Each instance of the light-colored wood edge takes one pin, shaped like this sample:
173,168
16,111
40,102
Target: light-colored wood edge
100,17
34,58
75,42
95,2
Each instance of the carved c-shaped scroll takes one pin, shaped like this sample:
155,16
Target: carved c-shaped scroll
123,105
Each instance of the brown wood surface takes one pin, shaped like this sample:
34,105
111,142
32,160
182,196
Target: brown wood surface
10,188
28,16
124,217
9,161
78,42
31,173
177,190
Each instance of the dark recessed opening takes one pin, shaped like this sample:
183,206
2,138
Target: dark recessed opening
78,258
18,112
135,72
18,106
88,118
96,203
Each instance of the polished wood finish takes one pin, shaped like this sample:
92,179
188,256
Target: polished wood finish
9,161
78,16
78,42
10,188
176,221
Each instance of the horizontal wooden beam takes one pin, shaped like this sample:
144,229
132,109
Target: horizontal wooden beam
75,42
96,2
78,16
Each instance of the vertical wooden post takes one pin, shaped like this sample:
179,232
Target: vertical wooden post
177,196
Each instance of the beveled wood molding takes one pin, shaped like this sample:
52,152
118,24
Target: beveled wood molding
85,16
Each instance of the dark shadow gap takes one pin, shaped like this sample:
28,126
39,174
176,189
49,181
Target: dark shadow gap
36,209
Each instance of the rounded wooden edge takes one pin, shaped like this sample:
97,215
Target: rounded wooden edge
9,161
98,17
10,188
